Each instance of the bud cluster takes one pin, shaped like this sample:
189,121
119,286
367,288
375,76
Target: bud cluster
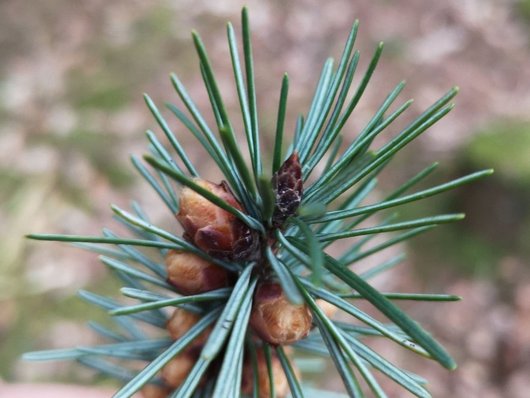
221,235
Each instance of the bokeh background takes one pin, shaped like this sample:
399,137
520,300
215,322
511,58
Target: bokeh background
71,78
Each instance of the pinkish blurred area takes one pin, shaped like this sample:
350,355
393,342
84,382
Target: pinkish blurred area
71,113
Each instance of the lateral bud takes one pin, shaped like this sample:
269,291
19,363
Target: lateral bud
191,274
181,322
213,229
281,385
154,391
175,371
275,319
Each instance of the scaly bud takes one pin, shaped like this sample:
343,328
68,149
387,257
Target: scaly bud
154,391
212,229
275,319
281,385
288,188
181,321
191,274
176,370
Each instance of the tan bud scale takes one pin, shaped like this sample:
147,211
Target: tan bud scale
275,319
211,228
191,274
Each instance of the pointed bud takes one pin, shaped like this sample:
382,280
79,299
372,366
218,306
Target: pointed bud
175,371
154,391
275,319
191,274
288,189
281,385
212,229
181,322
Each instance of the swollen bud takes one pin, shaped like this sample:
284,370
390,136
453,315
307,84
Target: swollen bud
175,371
288,189
212,229
181,322
281,385
191,274
275,319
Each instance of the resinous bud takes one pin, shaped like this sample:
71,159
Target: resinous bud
211,228
191,274
275,319
281,385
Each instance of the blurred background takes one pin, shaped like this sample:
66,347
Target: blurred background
71,111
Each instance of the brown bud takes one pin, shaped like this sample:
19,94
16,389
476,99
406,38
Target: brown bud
275,319
154,391
212,229
176,370
281,385
327,308
181,321
288,189
191,274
